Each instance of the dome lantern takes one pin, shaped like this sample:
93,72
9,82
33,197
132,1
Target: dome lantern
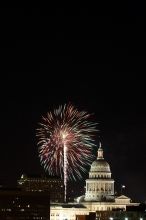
100,152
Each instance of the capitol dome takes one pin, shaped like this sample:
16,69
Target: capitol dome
100,166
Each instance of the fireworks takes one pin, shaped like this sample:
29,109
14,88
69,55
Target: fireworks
66,142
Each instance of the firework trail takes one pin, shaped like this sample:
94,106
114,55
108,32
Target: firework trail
66,141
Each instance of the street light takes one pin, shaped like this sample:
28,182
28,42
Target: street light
122,187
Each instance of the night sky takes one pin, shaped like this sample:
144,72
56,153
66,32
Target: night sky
50,57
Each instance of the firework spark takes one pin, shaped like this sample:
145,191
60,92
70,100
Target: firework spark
66,142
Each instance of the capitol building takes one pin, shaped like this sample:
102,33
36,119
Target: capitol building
99,194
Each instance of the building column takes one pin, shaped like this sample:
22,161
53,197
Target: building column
113,188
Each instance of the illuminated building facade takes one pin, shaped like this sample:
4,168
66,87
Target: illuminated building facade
67,211
99,186
17,204
99,196
53,185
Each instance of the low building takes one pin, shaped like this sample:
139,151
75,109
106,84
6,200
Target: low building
113,215
17,204
67,211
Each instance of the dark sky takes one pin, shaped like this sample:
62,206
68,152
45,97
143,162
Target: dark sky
54,56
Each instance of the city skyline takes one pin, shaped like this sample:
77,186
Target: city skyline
122,169
96,70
